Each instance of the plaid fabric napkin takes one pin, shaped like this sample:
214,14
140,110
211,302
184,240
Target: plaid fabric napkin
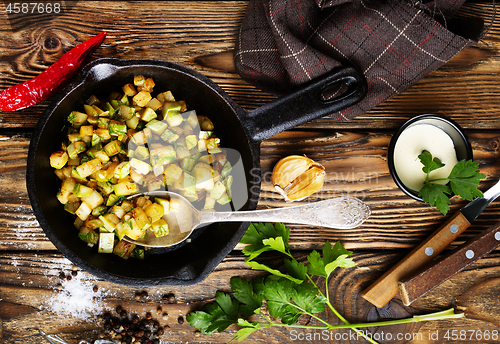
284,43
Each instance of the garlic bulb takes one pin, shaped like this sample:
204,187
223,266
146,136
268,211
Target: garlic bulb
296,177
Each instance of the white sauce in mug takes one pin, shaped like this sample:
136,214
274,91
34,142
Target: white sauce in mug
412,141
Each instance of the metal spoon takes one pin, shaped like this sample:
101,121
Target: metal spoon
339,212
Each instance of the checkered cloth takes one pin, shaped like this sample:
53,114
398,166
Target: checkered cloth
285,43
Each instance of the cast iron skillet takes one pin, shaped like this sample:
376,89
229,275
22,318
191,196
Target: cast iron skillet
184,264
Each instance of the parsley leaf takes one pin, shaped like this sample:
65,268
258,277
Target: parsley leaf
433,193
250,300
296,269
463,180
430,164
333,257
287,296
212,318
306,297
263,237
258,266
278,293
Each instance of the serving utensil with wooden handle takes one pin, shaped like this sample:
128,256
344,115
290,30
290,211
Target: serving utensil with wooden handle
386,287
445,267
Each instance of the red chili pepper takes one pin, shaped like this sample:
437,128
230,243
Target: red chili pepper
52,79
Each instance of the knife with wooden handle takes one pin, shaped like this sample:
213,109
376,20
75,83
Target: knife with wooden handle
445,267
386,287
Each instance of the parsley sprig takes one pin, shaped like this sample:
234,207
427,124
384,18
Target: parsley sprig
287,295
463,181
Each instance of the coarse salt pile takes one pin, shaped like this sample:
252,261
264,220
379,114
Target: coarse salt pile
77,297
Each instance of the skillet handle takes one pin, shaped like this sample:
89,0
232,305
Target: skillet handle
305,104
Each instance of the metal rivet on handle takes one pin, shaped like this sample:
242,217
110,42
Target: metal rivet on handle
497,236
454,228
469,254
429,251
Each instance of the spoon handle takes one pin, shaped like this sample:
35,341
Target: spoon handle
339,212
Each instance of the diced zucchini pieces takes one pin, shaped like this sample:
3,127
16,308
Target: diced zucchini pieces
141,98
157,127
86,130
132,230
204,135
191,141
154,104
129,90
140,166
103,133
89,167
122,170
166,97
117,128
169,136
148,114
76,148
113,148
218,190
160,228
154,211
113,198
224,199
100,210
141,218
77,118
204,176
93,200
141,152
88,235
124,249
83,211
172,173
67,187
133,122
174,118
71,207
139,80
209,203
175,205
106,242
125,188
147,85
126,112
109,221
81,190
58,159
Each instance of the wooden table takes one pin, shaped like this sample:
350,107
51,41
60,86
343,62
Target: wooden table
201,35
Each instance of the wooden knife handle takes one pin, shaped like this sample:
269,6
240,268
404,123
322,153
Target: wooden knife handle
386,287
445,267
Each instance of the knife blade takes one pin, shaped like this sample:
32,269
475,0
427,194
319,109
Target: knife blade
442,268
386,287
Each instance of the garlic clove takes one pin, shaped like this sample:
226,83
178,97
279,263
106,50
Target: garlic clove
295,177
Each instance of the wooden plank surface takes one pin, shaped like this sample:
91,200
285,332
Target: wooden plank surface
396,221
201,35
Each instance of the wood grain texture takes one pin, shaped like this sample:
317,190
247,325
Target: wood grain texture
29,292
441,269
356,166
201,35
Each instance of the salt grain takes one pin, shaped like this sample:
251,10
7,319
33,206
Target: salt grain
77,298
